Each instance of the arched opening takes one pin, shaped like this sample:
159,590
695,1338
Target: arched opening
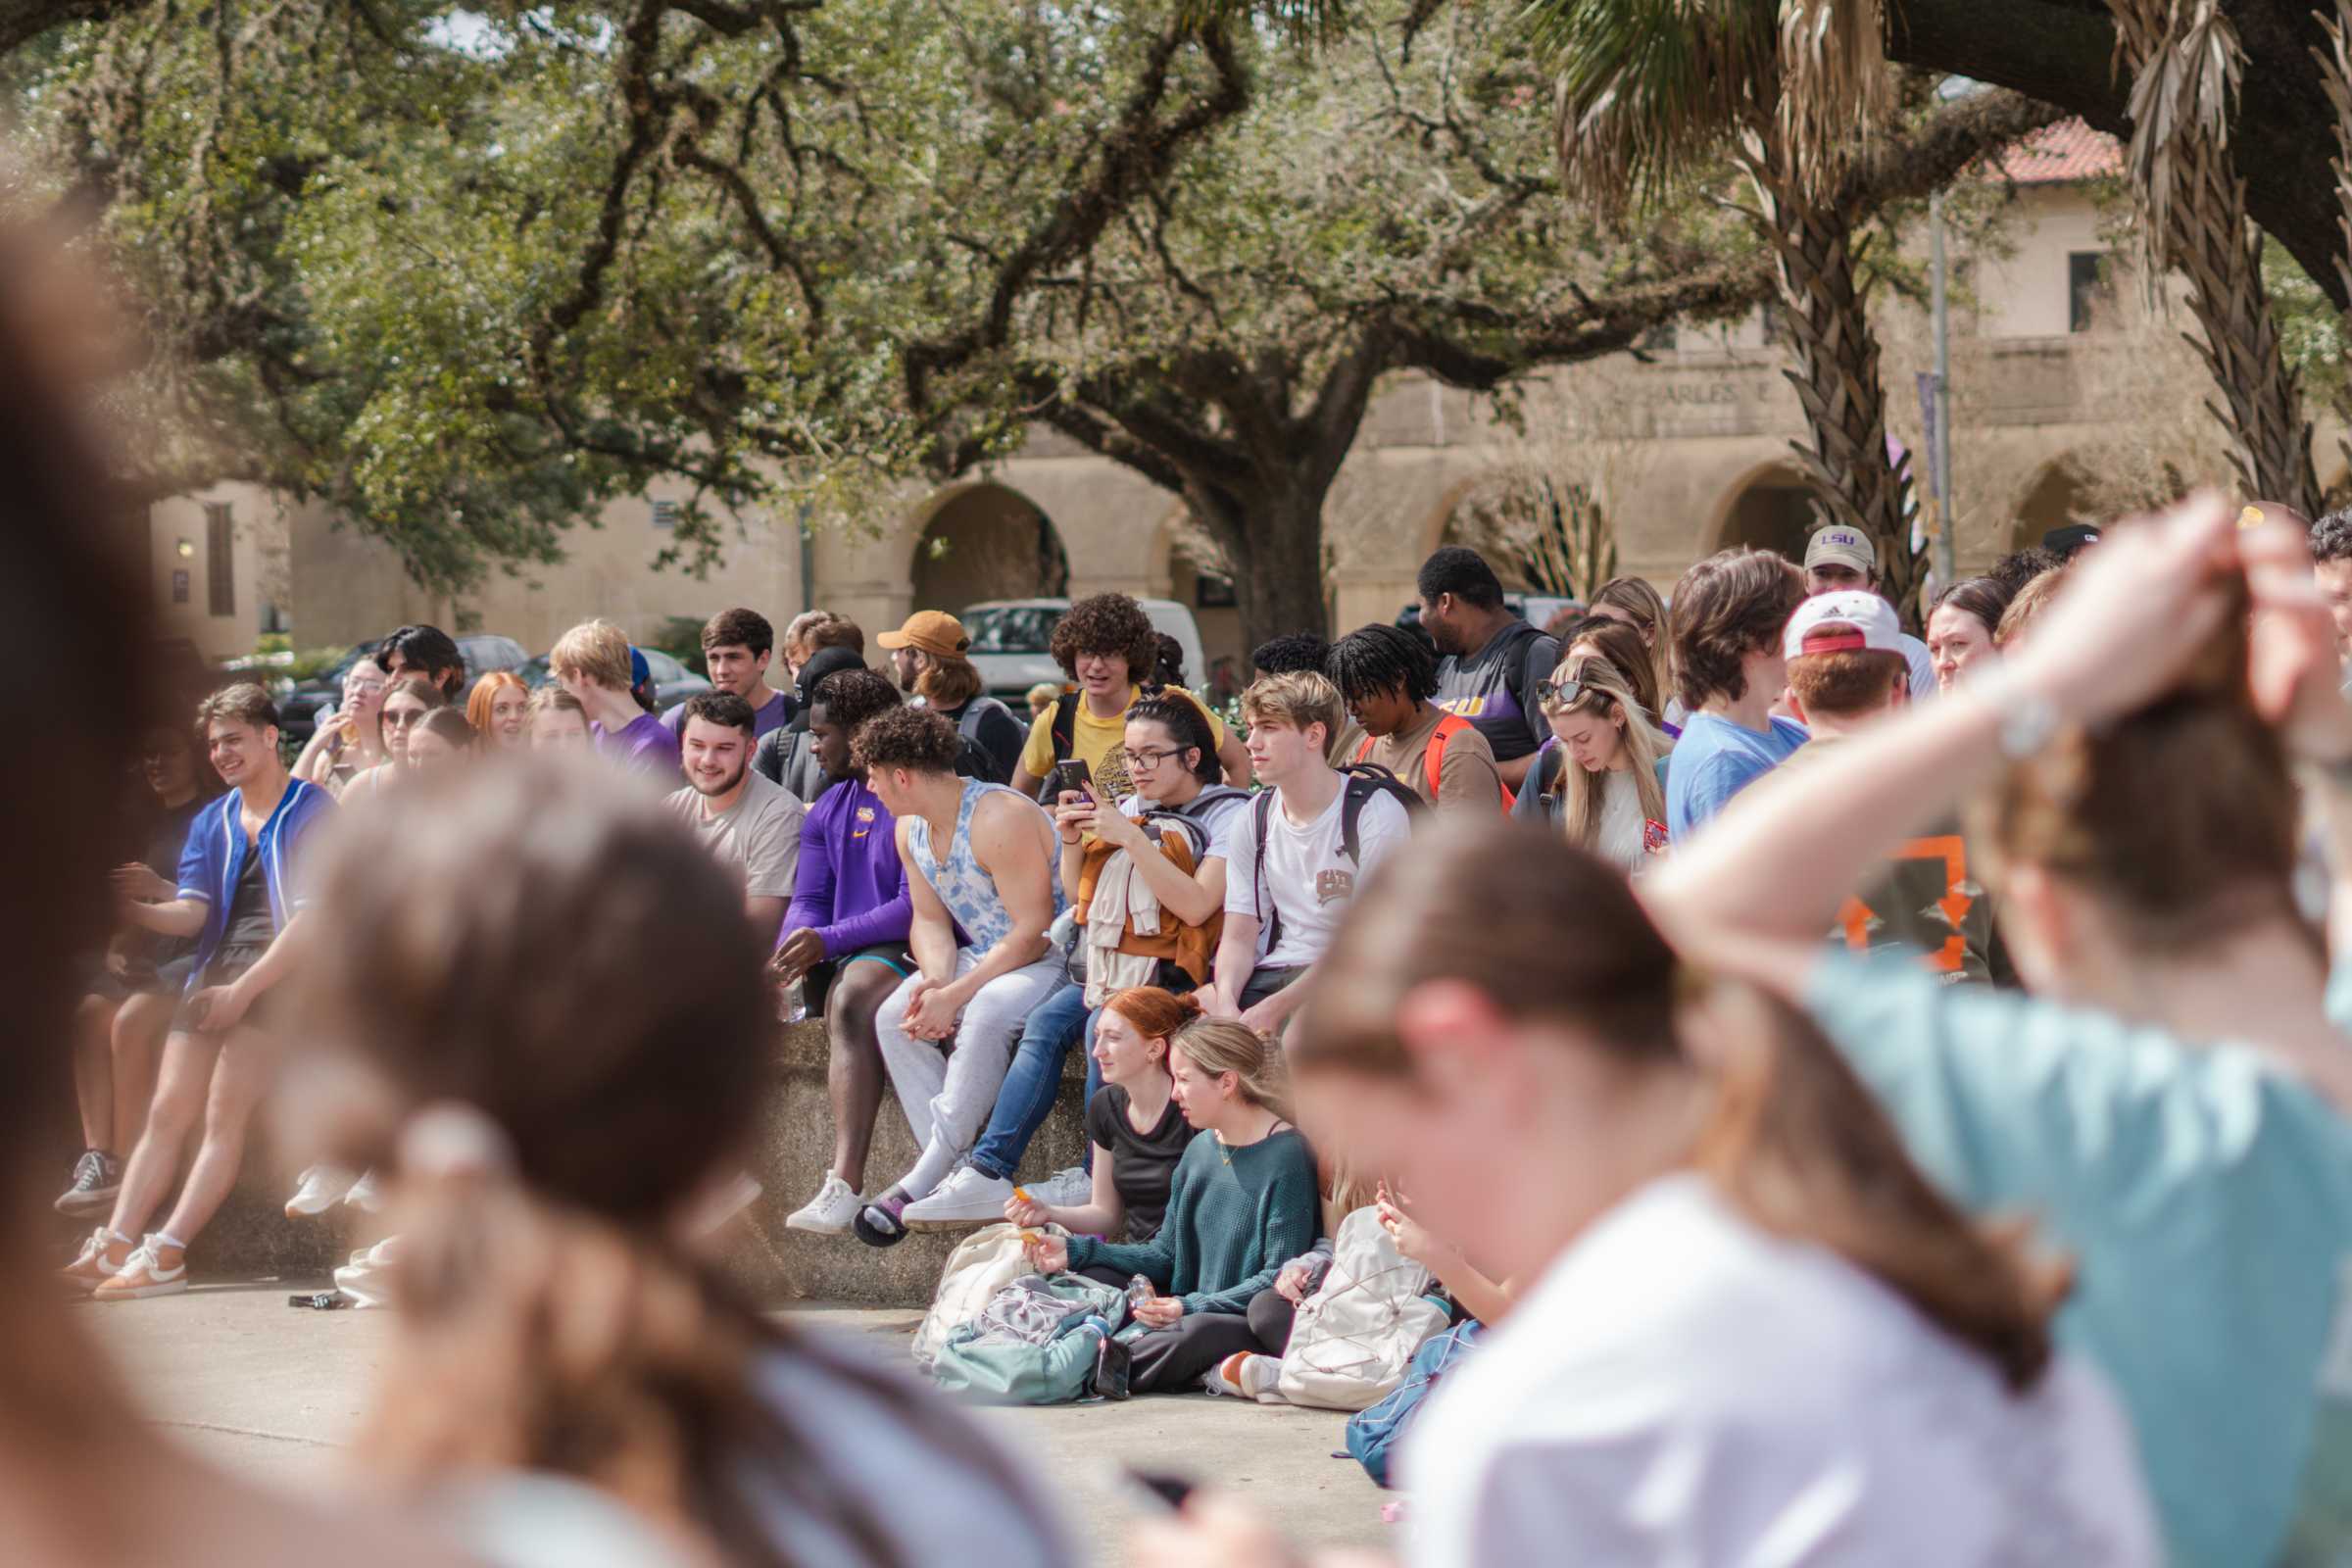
1770,507
1543,533
984,542
2055,498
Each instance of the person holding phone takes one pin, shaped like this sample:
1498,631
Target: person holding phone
349,739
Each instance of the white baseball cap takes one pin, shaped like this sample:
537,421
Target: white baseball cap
1842,545
1850,620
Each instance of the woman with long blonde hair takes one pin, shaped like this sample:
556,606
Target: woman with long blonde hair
1607,789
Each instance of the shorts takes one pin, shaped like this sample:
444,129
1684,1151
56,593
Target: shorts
896,957
1264,982
227,964
142,977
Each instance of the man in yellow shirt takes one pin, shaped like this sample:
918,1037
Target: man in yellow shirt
1102,644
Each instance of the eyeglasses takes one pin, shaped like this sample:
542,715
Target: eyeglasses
402,717
1559,694
1152,758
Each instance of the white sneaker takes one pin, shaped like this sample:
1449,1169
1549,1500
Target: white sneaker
829,1212
146,1274
1066,1189
320,1188
965,1197
363,1193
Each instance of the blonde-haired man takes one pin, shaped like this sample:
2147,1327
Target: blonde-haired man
1293,860
595,662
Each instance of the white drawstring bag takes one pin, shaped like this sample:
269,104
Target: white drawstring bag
982,1265
1354,1339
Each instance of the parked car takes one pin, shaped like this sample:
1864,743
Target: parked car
298,714
674,682
1011,639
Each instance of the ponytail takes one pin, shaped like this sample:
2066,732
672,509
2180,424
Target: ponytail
1796,1144
1550,935
1218,1045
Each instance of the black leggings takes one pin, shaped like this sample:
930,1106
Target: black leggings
1174,1360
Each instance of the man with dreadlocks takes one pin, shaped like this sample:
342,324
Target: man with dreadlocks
1387,678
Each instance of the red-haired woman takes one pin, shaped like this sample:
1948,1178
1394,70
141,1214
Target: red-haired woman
500,709
1137,1129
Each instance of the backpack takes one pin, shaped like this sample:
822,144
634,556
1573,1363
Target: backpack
1356,1337
982,1265
1053,1363
1184,950
1373,1434
1433,759
967,727
1360,782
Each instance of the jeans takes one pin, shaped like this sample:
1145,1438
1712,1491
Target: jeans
1034,1081
946,1095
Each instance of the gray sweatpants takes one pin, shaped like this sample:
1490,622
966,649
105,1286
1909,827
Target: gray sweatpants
948,1095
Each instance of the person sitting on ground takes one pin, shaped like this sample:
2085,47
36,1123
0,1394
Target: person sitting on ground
1729,613
557,721
1387,680
750,826
1843,559
440,738
1105,644
128,999
1043,696
1621,644
240,895
425,651
1632,602
1137,1130
1498,1017
1607,791
544,1147
1172,762
498,709
1308,652
1961,628
2172,1098
814,630
1846,672
1241,1202
737,646
1291,865
2331,563
788,755
979,861
349,740
845,934
930,656
1492,661
406,702
594,662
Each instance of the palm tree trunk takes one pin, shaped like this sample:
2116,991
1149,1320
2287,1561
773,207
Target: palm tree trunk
1837,368
2184,59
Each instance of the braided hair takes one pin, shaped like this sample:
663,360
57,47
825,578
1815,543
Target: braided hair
1377,659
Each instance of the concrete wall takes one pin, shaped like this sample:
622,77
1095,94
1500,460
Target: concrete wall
183,566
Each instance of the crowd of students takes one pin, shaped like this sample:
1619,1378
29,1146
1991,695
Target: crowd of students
1820,1195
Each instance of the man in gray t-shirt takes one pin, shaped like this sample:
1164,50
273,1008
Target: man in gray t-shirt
753,827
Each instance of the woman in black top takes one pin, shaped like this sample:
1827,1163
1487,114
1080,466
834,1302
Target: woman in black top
1137,1128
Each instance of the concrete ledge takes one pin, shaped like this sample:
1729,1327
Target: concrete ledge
252,1236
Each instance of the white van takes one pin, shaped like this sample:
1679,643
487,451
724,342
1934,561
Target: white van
1010,639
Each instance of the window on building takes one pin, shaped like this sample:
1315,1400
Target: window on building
666,516
219,558
2088,292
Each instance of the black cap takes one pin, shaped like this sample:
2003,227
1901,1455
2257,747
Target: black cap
2066,542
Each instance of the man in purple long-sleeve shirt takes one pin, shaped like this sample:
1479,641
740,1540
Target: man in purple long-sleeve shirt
844,934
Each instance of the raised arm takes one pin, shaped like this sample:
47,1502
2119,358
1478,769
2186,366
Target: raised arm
1754,892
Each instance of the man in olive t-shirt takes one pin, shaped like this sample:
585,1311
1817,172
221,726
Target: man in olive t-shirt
1387,680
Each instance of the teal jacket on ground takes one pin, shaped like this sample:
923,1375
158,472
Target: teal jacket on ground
2206,1197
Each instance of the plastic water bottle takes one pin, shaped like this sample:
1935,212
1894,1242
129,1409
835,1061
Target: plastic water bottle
1139,1290
793,1006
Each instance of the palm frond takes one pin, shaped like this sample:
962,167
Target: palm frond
1834,81
2185,63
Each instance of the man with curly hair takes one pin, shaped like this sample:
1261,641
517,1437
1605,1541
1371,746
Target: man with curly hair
2331,563
1107,645
979,858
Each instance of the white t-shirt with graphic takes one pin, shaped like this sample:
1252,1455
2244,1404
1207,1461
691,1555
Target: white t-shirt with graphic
1307,877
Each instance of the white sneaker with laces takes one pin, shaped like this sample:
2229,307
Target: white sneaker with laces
363,1194
146,1274
829,1212
1066,1189
320,1188
965,1197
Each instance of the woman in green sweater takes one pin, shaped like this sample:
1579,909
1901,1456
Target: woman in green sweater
1242,1205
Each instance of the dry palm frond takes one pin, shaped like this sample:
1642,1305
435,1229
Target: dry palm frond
1834,81
2185,64
2335,76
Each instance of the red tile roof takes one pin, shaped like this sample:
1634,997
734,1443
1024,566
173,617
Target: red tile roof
2055,155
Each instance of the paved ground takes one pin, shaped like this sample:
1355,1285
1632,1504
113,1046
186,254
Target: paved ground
272,1393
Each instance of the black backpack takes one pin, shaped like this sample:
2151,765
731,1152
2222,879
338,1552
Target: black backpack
1359,783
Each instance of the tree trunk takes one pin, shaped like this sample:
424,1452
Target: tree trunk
2193,215
1273,538
1837,370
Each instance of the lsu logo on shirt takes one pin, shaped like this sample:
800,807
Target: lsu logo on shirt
866,822
1464,707
1334,885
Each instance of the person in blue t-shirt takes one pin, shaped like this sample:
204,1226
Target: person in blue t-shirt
2171,1102
1728,668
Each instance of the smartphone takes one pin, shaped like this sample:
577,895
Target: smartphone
1071,776
1158,1485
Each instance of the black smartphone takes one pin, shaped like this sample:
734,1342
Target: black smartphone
1071,776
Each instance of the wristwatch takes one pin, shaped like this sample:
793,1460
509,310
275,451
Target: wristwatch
2028,720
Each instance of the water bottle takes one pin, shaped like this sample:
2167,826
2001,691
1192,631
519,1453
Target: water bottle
793,1007
1139,1290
